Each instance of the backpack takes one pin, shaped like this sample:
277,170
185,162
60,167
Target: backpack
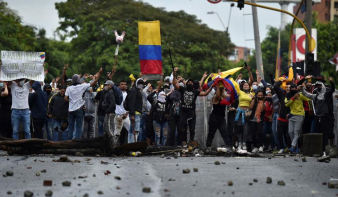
118,95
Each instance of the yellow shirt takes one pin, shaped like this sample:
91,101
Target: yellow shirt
296,105
244,99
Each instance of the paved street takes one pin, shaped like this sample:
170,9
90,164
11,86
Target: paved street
165,178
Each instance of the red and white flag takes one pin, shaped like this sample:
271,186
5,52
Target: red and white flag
334,61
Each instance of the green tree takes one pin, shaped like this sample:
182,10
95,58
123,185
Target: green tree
91,24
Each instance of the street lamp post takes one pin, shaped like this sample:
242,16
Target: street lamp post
232,5
212,12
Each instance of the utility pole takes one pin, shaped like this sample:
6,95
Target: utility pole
259,61
308,21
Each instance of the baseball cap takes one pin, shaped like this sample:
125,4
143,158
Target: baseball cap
109,82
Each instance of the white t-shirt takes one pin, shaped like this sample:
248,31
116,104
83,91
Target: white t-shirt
20,96
75,94
119,108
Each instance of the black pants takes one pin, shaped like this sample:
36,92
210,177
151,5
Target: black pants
218,122
282,132
256,129
174,124
307,122
324,125
231,125
6,129
37,125
188,118
150,133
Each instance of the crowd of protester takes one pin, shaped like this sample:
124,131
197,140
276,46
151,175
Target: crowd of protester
265,117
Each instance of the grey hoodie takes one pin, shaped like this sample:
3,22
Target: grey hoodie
89,98
321,107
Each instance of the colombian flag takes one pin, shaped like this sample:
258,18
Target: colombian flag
150,47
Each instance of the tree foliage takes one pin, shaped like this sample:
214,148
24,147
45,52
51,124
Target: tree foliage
91,24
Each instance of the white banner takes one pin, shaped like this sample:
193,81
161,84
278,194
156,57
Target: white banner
20,64
300,43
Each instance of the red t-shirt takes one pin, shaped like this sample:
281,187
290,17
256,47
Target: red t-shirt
268,110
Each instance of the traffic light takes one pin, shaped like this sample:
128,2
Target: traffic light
310,64
240,4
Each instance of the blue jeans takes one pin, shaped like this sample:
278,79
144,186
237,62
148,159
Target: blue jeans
274,129
100,123
49,128
143,129
21,115
137,128
57,132
161,132
75,117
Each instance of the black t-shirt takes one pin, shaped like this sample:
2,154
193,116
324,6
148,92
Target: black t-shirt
5,105
100,97
188,98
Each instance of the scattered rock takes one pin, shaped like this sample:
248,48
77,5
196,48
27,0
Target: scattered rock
315,155
29,167
217,163
107,172
117,178
168,158
175,156
88,159
223,162
296,160
94,175
146,190
324,183
9,173
100,192
269,157
166,190
118,188
237,168
79,184
66,183
269,180
43,171
281,183
49,193
333,183
104,162
28,194
86,195
255,180
9,192
171,179
38,173
303,159
250,183
162,156
186,171
195,169
4,175
47,183
79,154
230,183
64,158
324,159
82,177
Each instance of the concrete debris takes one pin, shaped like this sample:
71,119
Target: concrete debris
186,171
255,180
118,188
324,159
86,195
100,192
281,183
217,163
333,183
230,183
9,173
303,159
66,183
107,172
79,154
82,177
9,192
331,151
38,173
146,190
63,158
162,156
104,162
29,167
195,169
171,179
117,178
43,171
269,180
250,183
49,193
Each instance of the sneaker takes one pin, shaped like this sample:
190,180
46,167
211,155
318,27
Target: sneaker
281,151
239,146
260,149
184,144
255,150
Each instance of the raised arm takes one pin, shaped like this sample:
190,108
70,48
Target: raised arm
5,92
62,78
175,83
207,92
203,78
250,75
97,78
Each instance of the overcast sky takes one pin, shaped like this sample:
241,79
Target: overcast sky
42,14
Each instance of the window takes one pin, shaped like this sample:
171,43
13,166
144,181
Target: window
336,4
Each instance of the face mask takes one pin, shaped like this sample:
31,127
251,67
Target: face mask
48,91
166,91
254,87
140,86
319,89
260,98
190,87
267,92
22,82
308,87
106,88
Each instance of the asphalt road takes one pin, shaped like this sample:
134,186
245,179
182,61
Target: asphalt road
165,178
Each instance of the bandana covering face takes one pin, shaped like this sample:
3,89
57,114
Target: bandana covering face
161,97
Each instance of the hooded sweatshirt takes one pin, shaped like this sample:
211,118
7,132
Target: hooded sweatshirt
38,102
134,100
90,106
160,108
321,100
283,110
